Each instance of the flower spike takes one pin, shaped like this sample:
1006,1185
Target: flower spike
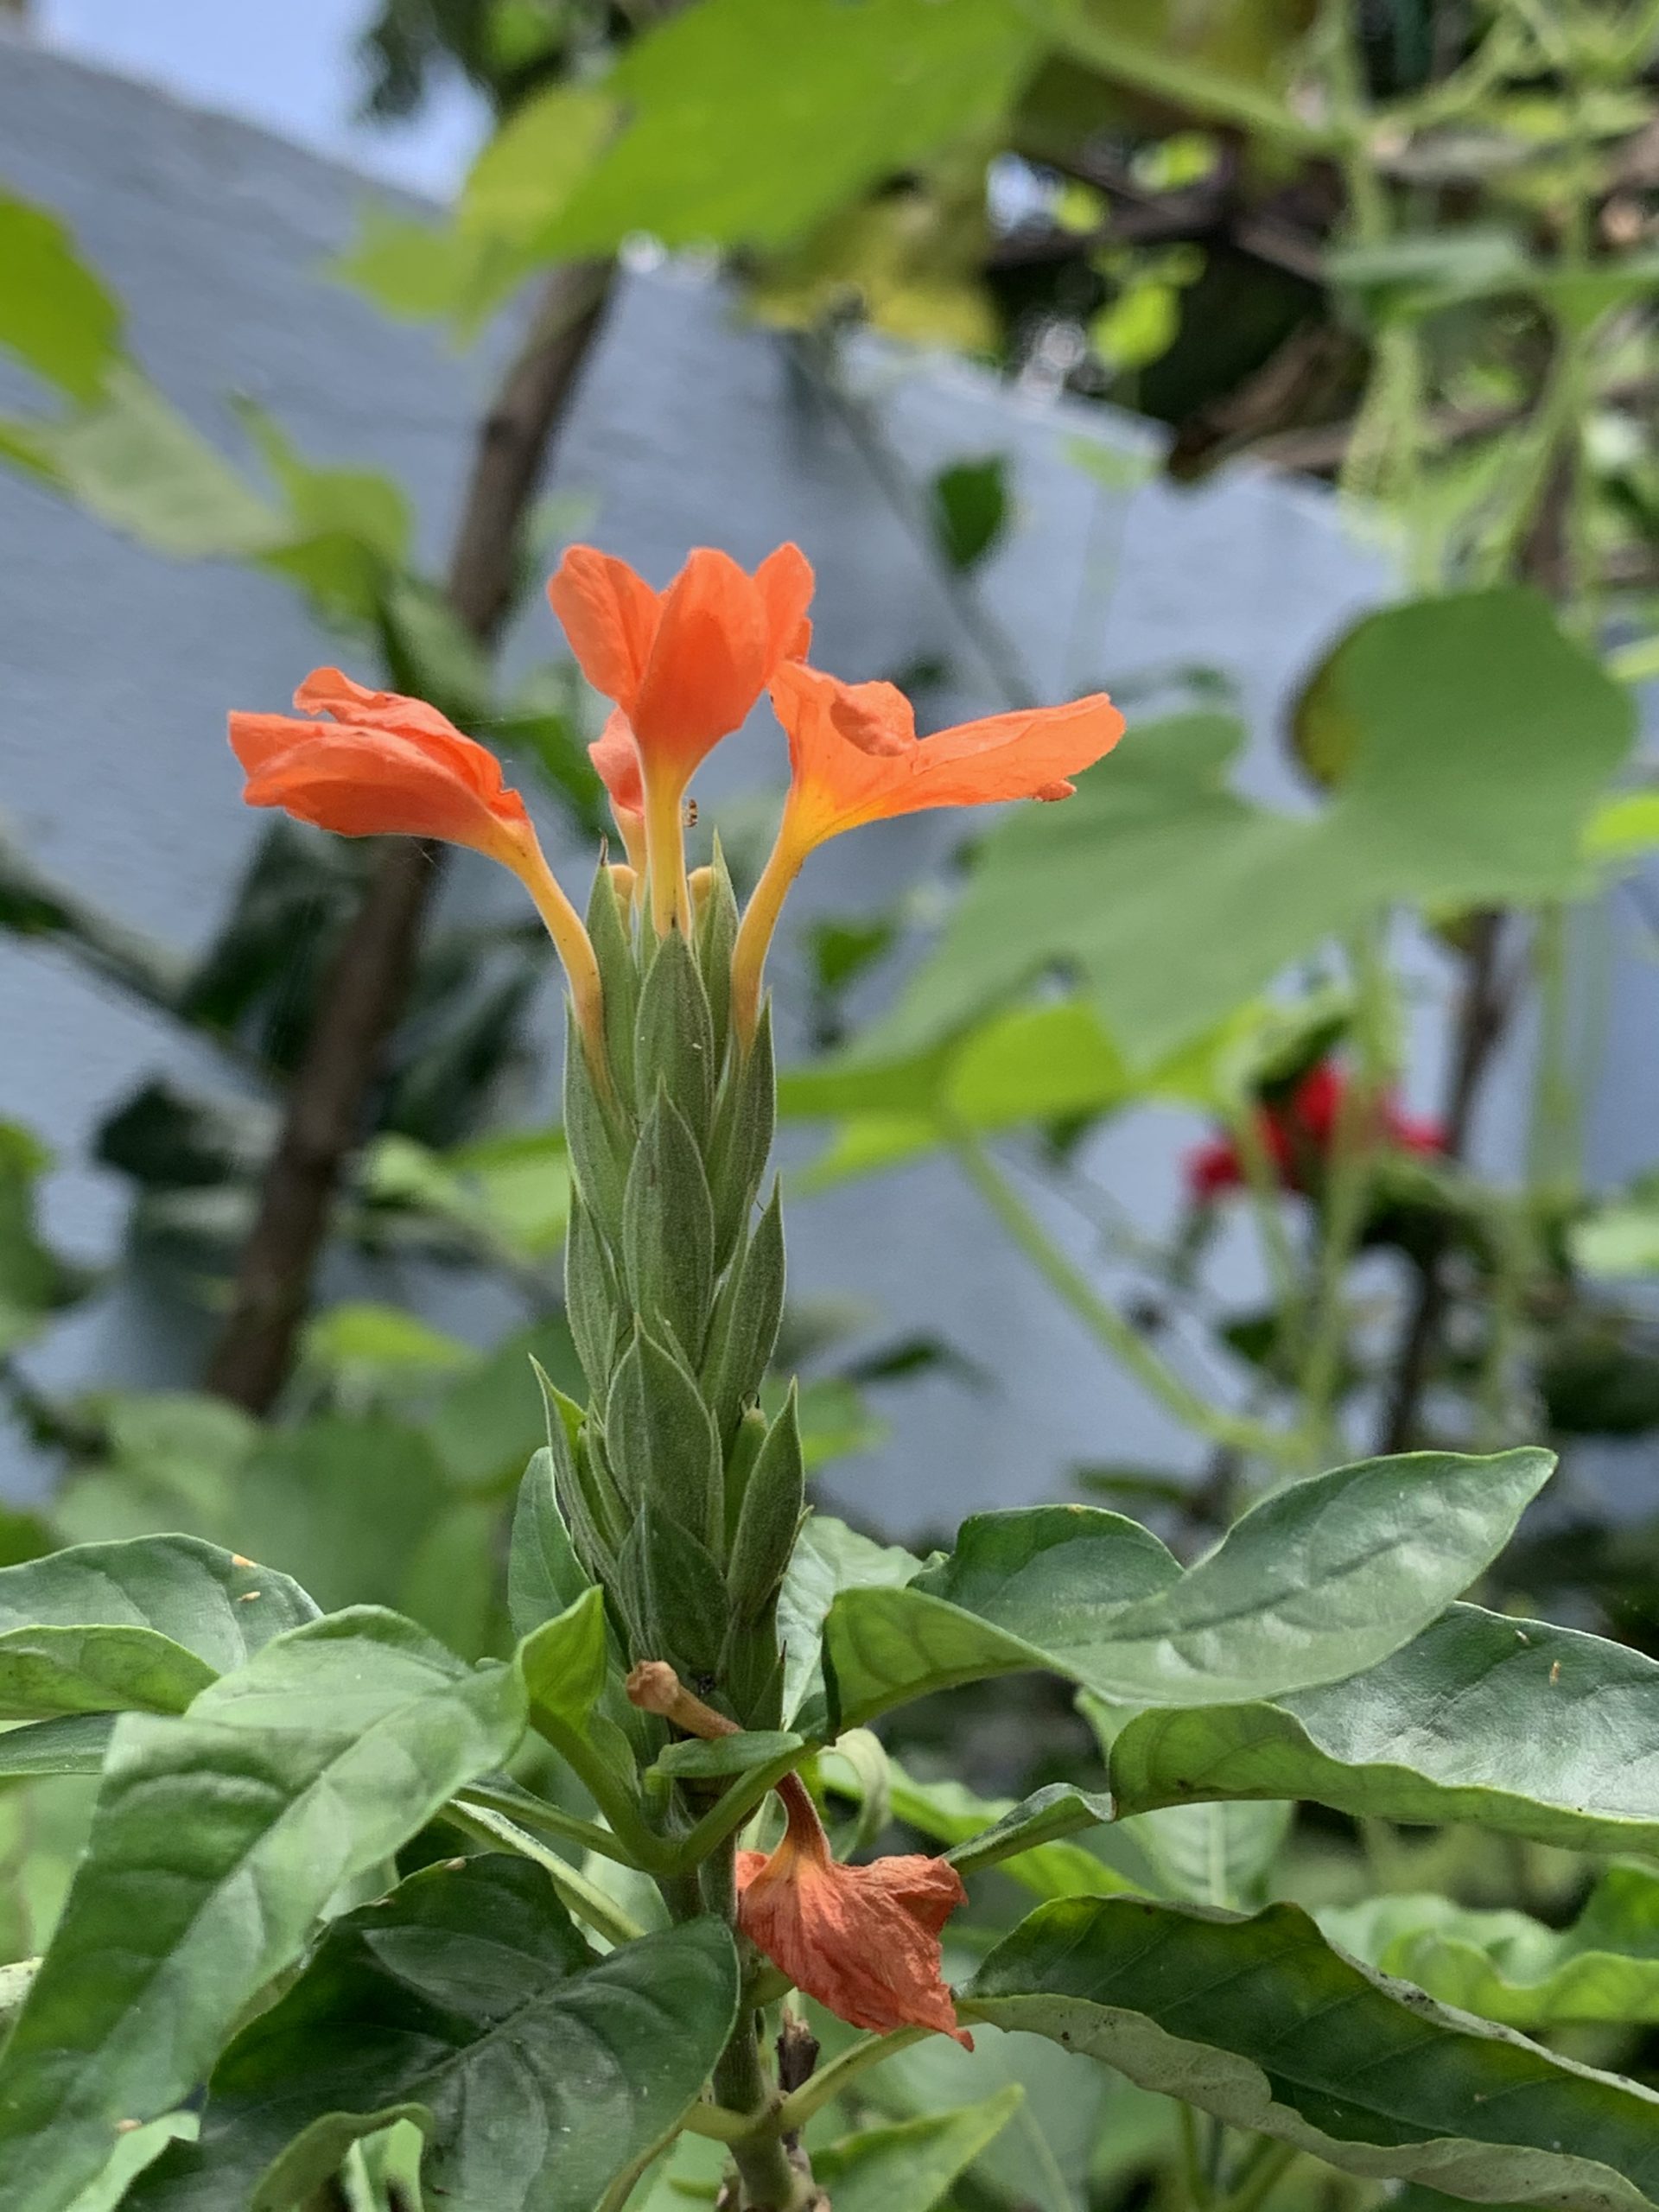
856,758
380,764
684,667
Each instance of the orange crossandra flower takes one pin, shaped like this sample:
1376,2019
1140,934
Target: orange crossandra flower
856,758
863,1940
683,666
384,765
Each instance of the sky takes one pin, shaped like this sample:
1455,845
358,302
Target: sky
288,65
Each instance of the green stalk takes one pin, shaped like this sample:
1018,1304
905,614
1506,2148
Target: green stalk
577,1894
553,1819
1347,1193
1267,1208
830,2081
767,2179
1103,1319
1261,2173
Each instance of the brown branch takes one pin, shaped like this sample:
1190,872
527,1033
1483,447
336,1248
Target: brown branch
364,996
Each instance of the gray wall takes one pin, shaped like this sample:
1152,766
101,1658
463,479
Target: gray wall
116,670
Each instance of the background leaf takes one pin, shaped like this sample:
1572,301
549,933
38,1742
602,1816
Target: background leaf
854,94
914,2162
1261,2023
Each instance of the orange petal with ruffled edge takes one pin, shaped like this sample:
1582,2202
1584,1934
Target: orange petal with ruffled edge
384,765
685,665
856,758
863,1940
610,615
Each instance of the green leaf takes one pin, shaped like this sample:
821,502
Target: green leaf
828,1557
535,160
563,1665
543,1574
1509,1967
33,1281
137,464
74,1744
218,1838
913,2162
1042,2157
970,508
145,1624
423,272
854,94
1458,792
1259,2021
367,1348
1557,1733
727,1755
1320,1580
55,314
467,2002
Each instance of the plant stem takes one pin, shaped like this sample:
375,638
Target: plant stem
830,2081
1198,2189
1260,2173
1098,1316
576,1893
728,1814
1347,1193
1481,1019
766,2178
1267,1207
553,1819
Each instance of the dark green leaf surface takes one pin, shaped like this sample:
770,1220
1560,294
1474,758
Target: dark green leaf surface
1541,1731
219,1836
1321,1579
1261,2023
145,1624
467,2002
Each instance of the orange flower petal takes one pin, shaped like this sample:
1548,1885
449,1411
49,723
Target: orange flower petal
616,759
854,761
687,665
708,662
330,691
387,767
863,1940
784,581
610,615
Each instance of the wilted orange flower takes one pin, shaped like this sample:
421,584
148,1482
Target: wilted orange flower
684,666
856,758
384,765
863,1940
